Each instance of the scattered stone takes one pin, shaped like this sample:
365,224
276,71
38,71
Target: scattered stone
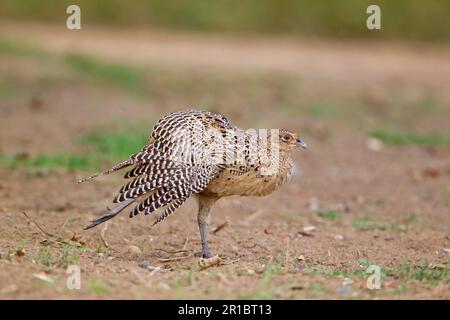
446,250
345,291
313,204
347,282
134,250
374,144
338,237
144,264
268,231
309,228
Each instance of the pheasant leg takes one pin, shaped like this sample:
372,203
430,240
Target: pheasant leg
203,226
205,205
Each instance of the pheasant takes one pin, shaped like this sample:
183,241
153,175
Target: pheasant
196,153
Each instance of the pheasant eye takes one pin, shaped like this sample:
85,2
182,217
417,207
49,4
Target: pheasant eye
286,137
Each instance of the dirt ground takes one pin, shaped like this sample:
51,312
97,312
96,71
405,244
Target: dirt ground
354,202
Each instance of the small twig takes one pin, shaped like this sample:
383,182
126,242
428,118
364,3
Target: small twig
174,258
172,252
220,227
61,228
39,227
102,235
185,244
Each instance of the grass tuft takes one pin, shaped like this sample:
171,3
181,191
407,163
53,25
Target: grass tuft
330,214
425,273
125,76
408,138
50,161
107,147
9,47
116,145
366,222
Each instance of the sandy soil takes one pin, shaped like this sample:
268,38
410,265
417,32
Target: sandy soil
265,250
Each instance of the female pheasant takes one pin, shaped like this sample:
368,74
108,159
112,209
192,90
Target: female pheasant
198,153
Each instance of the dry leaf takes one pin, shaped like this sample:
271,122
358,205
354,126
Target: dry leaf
20,252
431,172
301,259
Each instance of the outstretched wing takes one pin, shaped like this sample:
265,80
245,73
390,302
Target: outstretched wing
175,164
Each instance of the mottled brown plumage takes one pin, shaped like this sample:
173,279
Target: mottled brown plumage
198,153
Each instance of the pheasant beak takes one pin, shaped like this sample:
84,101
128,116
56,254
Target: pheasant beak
300,143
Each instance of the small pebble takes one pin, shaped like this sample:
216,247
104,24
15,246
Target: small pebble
133,250
313,204
144,264
308,229
347,282
374,144
345,291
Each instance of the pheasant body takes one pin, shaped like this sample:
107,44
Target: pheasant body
198,153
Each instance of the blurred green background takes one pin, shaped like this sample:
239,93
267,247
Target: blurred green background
409,19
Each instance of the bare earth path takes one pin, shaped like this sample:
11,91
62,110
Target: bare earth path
358,63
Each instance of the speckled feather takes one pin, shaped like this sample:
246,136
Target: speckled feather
172,167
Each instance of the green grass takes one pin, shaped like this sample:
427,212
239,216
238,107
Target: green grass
320,110
116,145
335,272
408,138
104,147
125,76
45,162
424,273
97,286
400,18
61,256
366,222
20,49
330,214
45,256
